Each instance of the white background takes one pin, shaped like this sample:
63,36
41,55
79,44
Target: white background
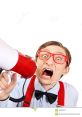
26,24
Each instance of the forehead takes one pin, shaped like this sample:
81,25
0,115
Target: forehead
54,49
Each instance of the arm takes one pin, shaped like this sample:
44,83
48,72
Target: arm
6,88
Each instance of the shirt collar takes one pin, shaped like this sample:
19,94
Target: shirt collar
53,90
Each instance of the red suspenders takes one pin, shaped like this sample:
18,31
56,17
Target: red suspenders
61,94
29,93
30,90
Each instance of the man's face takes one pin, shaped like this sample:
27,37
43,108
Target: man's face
51,64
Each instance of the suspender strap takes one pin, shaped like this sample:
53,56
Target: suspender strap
30,90
61,94
29,93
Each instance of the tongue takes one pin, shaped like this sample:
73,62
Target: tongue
45,73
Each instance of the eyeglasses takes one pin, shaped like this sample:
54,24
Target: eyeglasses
57,58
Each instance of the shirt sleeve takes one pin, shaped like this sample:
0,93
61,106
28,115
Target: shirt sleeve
71,96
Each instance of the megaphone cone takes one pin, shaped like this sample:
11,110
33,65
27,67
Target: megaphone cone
11,59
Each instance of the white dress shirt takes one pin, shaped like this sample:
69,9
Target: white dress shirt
71,95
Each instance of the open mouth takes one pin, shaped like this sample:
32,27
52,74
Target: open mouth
48,72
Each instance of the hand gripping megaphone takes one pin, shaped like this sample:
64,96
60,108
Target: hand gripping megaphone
11,59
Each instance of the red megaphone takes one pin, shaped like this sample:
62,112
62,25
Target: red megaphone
11,59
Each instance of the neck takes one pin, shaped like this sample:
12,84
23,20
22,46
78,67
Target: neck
48,86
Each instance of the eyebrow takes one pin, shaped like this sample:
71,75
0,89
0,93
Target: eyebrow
54,53
61,53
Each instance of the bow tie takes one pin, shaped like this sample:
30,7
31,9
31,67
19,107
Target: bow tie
49,96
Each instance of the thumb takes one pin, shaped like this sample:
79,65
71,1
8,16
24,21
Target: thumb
14,78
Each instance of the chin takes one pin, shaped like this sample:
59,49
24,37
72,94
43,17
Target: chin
44,81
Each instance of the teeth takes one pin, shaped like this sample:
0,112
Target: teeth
48,72
48,69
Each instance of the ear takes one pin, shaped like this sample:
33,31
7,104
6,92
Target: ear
66,70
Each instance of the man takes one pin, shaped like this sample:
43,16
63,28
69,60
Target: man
44,89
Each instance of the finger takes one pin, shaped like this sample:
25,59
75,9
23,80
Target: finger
5,75
12,84
3,81
2,86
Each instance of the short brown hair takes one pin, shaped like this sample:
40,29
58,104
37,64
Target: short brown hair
56,43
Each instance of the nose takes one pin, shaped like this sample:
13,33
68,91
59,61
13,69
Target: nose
50,61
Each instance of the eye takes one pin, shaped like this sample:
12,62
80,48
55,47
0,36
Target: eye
45,56
59,58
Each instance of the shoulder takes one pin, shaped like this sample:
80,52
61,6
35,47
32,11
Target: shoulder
71,95
70,89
